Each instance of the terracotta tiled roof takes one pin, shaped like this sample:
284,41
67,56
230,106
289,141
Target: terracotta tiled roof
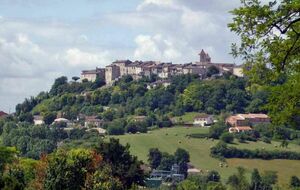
254,115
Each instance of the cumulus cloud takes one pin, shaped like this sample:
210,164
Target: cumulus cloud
188,26
78,58
26,68
155,48
147,3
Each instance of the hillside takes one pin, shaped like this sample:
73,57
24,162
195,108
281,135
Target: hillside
169,139
145,116
186,93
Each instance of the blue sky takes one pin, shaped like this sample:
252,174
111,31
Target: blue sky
42,40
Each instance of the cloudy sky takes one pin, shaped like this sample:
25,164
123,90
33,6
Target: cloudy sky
42,40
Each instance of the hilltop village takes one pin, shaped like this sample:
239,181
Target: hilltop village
139,69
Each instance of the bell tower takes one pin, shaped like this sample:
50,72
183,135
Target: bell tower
204,57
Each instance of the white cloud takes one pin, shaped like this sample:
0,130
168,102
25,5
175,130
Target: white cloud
155,48
77,58
26,68
147,47
162,3
188,25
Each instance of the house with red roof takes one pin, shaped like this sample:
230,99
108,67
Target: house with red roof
243,122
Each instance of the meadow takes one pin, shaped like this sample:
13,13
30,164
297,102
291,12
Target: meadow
169,139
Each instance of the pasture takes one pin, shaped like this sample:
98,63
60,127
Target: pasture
169,139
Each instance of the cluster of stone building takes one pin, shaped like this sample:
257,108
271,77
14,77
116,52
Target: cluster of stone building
138,69
244,122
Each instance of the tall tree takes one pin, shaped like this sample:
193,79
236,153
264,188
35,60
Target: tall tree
255,180
182,157
124,166
154,157
238,181
270,43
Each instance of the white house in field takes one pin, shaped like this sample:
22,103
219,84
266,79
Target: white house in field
203,120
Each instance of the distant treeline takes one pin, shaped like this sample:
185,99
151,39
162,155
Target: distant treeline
221,150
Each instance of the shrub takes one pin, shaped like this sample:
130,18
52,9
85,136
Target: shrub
115,130
131,128
165,122
216,130
227,137
266,140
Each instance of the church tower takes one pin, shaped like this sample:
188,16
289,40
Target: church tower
204,57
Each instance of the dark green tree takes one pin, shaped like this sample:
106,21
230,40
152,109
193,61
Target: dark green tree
49,117
238,181
213,176
167,161
75,78
295,182
269,178
124,166
154,158
212,70
255,180
57,87
227,137
182,157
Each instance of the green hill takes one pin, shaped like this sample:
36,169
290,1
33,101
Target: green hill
169,139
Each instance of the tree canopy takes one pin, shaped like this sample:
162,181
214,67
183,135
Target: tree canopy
270,42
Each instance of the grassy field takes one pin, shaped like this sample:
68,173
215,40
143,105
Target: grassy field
169,139
187,117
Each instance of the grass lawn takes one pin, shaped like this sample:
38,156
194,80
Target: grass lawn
169,139
187,117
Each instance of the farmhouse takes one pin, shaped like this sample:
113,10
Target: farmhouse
203,120
247,119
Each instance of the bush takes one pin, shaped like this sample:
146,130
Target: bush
115,130
131,128
246,136
213,176
266,140
165,122
227,137
216,130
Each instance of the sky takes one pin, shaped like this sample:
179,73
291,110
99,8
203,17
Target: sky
43,40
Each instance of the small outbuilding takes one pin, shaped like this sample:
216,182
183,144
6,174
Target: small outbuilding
38,120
